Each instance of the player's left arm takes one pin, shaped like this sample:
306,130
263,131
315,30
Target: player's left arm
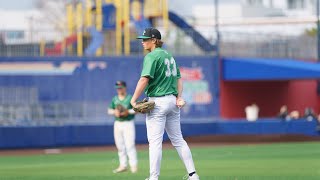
141,85
180,88
180,101
179,83
131,111
127,112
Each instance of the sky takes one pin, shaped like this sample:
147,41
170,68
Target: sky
29,4
193,8
18,9
17,4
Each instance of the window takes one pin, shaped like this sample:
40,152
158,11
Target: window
254,2
296,4
13,35
313,2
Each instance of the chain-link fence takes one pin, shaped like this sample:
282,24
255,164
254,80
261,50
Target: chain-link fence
183,42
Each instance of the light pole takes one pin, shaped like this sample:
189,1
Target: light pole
216,64
318,32
216,3
31,29
318,44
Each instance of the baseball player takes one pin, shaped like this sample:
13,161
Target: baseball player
161,80
124,129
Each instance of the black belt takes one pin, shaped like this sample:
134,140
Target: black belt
165,95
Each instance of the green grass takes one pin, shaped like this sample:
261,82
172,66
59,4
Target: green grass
246,162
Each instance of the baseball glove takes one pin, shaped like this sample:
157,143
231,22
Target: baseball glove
120,108
144,106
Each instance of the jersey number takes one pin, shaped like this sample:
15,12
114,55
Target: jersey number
169,71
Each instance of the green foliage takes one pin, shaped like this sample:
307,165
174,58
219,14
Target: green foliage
311,32
292,161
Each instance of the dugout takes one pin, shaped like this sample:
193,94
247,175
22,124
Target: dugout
270,83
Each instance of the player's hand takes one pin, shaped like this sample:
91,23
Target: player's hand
180,102
124,113
116,113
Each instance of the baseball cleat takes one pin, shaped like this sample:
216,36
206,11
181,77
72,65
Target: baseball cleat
134,169
194,177
120,169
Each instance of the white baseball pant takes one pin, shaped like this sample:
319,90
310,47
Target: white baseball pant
124,137
166,116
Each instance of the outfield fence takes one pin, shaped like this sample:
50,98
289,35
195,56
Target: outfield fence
78,91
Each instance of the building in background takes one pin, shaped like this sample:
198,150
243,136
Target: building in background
23,23
284,22
290,17
28,26
257,28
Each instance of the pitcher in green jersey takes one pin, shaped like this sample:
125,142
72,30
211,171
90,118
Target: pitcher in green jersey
161,81
124,129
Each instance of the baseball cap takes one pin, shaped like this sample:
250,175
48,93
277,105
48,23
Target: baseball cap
121,84
150,33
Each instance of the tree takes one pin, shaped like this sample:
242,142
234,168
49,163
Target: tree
311,32
53,13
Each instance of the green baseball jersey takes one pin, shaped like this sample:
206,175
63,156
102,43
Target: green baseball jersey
125,103
163,73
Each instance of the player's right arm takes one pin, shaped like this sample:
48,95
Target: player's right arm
147,73
112,109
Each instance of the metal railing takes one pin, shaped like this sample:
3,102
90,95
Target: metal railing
20,106
181,42
54,114
268,46
60,113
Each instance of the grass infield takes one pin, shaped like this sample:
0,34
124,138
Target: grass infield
292,161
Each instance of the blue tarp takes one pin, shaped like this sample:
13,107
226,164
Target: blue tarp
268,69
35,137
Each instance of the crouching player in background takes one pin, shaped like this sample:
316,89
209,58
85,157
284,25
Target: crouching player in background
124,129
